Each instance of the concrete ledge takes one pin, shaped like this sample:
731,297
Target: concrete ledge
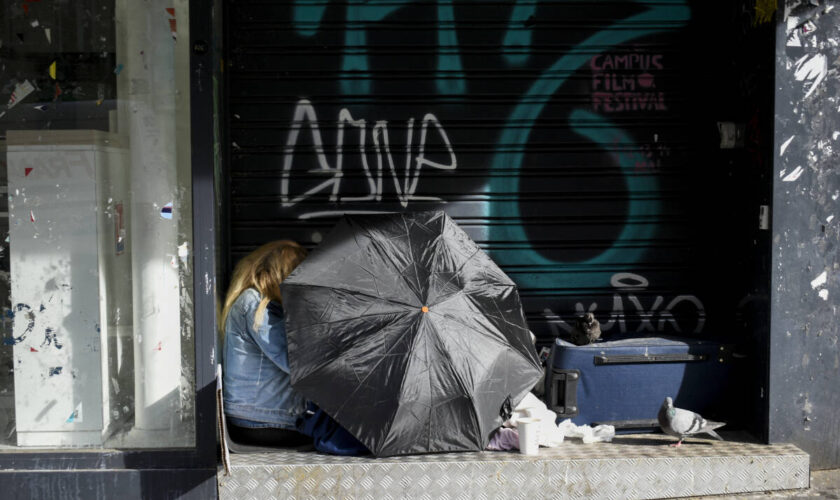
638,466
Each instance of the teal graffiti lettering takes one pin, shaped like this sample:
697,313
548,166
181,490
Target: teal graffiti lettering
307,16
517,41
450,78
356,77
514,139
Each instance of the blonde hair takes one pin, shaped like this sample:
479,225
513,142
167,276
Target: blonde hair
264,269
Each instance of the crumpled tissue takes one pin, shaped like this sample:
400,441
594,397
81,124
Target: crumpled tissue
551,434
598,434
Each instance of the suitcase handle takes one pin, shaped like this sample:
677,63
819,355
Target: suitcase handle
630,424
627,359
562,395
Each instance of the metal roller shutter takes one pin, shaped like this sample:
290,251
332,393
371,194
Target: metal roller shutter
563,137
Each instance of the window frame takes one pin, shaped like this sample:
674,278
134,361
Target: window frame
189,464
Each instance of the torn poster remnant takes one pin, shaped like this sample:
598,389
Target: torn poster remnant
820,280
811,68
797,172
21,91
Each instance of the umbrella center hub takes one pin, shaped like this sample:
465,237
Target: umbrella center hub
425,309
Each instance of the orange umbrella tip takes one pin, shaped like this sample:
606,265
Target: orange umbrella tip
424,309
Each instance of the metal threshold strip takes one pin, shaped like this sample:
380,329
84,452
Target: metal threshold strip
632,466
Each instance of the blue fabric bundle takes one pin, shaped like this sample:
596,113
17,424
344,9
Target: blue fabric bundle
327,435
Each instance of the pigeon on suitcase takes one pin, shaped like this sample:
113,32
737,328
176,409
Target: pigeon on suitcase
623,382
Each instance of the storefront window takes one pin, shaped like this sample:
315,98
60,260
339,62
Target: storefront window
96,280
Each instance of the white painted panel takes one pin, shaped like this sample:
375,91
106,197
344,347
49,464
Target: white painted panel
55,295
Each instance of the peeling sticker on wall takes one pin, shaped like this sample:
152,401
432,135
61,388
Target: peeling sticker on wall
797,172
812,69
785,145
820,280
22,90
173,26
119,229
166,211
793,34
76,416
183,252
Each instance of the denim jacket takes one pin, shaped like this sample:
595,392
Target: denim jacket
257,384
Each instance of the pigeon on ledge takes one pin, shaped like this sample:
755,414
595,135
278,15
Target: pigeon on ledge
683,423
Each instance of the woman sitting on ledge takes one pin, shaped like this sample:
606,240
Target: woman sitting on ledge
260,405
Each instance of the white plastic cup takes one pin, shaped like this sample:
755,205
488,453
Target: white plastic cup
529,436
521,413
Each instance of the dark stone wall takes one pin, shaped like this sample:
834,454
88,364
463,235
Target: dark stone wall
805,289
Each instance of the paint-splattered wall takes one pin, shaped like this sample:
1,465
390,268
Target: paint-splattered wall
805,354
577,142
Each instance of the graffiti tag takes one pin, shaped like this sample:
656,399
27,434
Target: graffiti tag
405,185
654,319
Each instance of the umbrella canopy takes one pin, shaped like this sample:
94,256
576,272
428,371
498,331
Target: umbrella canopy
407,334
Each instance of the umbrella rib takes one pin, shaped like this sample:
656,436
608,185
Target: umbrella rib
375,285
484,334
431,401
413,259
356,292
404,376
327,362
505,343
388,259
435,259
458,271
373,368
502,316
460,382
360,317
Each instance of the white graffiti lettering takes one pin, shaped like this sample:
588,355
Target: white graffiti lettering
405,186
652,319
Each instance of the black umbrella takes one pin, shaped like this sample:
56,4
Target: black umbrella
407,334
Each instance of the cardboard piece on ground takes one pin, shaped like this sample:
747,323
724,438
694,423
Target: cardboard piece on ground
228,445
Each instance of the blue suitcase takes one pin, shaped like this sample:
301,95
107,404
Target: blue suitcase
623,382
